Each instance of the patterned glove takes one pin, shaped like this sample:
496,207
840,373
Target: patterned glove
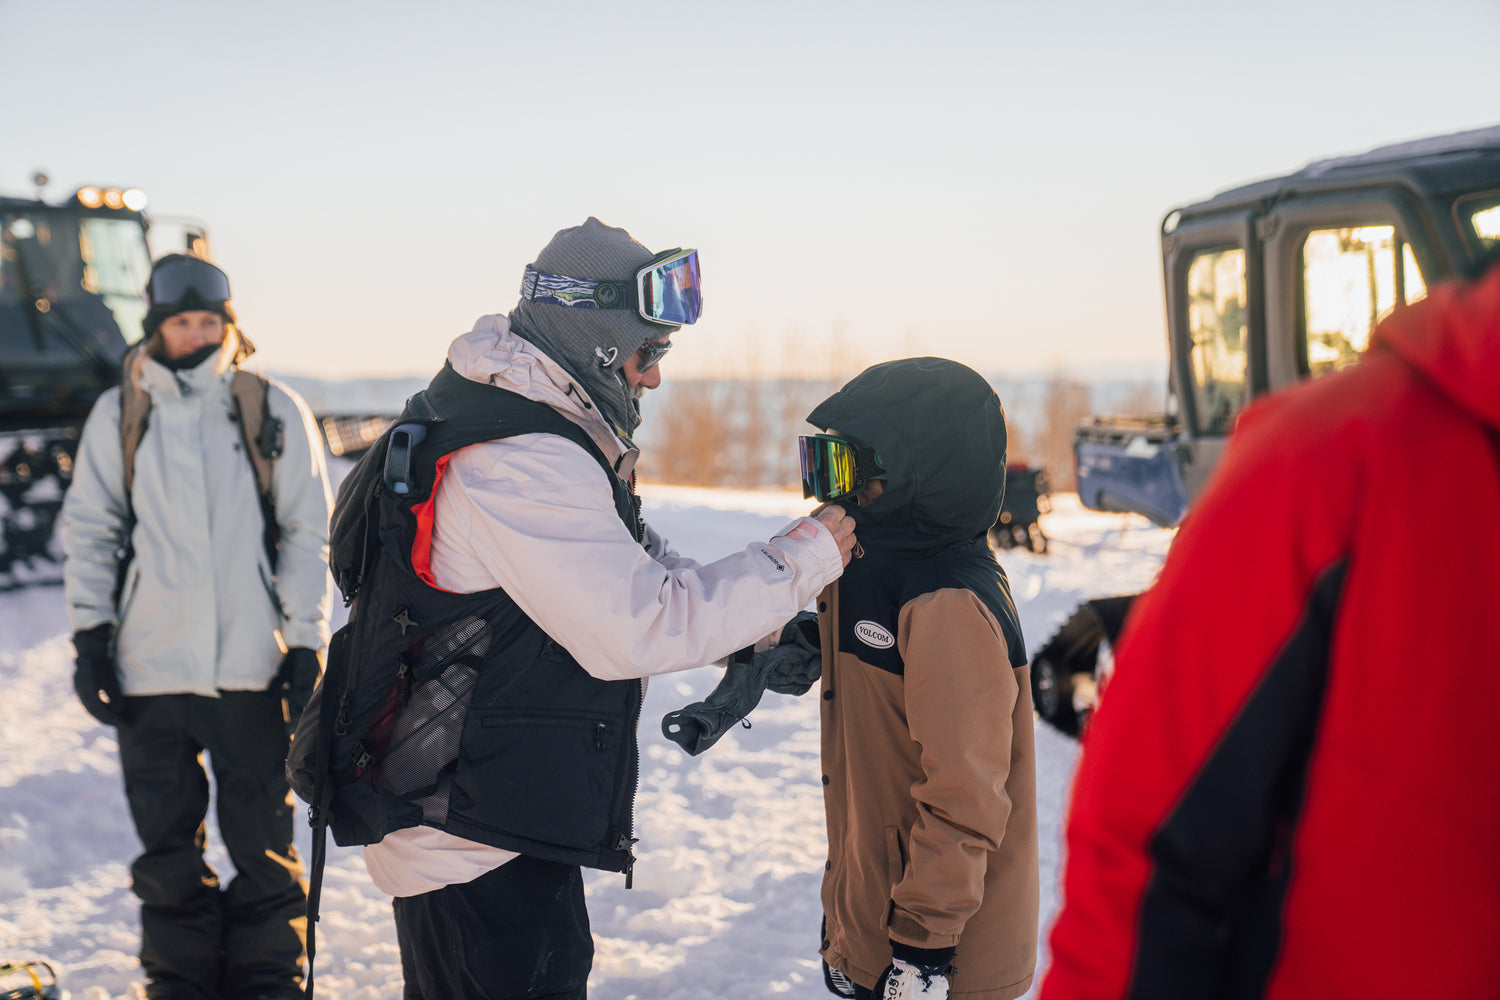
915,974
96,675
295,679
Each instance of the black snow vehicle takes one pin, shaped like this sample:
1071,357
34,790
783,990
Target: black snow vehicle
1067,672
1026,500
1278,281
72,297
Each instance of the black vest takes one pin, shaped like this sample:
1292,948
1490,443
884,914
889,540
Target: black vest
456,710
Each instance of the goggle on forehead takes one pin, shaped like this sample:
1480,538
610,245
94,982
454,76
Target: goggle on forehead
835,467
668,290
173,280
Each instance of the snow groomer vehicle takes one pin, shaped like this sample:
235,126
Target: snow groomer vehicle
72,297
1266,284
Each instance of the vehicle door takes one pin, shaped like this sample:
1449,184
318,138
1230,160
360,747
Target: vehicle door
1212,277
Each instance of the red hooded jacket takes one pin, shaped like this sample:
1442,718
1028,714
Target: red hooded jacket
1290,789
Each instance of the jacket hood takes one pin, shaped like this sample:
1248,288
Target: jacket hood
1453,338
493,353
940,431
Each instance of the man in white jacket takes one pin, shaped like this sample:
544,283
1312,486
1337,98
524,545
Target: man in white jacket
540,532
197,628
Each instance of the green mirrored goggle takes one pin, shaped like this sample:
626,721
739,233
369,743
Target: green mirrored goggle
835,467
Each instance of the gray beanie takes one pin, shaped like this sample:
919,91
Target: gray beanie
592,344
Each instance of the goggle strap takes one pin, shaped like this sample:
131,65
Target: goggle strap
597,293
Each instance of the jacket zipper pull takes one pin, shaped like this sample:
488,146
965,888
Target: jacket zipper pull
599,736
624,843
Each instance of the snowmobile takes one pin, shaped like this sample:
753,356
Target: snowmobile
72,297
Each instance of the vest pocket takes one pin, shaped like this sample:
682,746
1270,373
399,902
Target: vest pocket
546,775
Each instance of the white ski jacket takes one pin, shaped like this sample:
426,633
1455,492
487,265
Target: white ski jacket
532,514
200,610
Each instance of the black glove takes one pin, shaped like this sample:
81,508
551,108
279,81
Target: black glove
96,676
295,679
790,668
915,973
796,662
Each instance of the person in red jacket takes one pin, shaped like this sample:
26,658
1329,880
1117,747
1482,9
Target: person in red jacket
1289,788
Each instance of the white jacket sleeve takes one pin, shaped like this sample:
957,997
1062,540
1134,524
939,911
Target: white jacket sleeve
662,552
95,518
300,486
534,514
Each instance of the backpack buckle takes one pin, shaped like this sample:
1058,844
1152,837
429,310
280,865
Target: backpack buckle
398,457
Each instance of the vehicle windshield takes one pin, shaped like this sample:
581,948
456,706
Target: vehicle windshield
88,271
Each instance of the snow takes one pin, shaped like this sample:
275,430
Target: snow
732,845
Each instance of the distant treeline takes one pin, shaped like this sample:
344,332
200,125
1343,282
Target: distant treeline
743,433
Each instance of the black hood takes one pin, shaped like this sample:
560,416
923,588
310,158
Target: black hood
940,431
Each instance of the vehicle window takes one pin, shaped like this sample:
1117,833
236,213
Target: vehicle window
15,321
1350,282
1487,225
1216,323
116,265
84,276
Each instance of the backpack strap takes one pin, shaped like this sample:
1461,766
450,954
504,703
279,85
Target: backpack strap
318,812
135,411
264,437
264,434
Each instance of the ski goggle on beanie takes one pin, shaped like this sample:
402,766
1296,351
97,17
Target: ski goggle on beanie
834,467
172,280
667,290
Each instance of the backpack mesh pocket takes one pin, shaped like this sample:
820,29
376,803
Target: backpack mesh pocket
429,729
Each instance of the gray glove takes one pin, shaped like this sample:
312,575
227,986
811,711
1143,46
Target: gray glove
792,667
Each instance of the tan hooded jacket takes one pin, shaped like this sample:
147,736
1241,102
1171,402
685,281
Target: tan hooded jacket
928,755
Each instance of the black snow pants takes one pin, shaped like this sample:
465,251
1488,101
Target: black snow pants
518,931
200,941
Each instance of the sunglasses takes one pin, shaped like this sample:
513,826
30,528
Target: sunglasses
172,280
649,355
667,290
834,467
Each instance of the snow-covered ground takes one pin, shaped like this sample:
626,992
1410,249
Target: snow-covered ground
732,843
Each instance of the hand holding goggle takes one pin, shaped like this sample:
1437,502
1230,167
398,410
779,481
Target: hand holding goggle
667,290
835,467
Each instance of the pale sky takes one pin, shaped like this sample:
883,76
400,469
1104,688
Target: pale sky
863,180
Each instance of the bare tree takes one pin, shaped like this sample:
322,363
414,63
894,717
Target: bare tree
1065,404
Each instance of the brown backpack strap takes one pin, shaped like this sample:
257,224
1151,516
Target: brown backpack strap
262,432
135,410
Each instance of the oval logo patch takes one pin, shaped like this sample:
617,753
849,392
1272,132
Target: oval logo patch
871,634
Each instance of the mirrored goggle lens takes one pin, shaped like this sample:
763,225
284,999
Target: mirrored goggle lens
670,290
174,280
827,466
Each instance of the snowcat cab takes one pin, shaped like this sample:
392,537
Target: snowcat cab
1268,284
72,298
1283,280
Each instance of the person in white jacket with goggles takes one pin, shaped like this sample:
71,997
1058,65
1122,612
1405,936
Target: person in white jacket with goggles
488,886
197,585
